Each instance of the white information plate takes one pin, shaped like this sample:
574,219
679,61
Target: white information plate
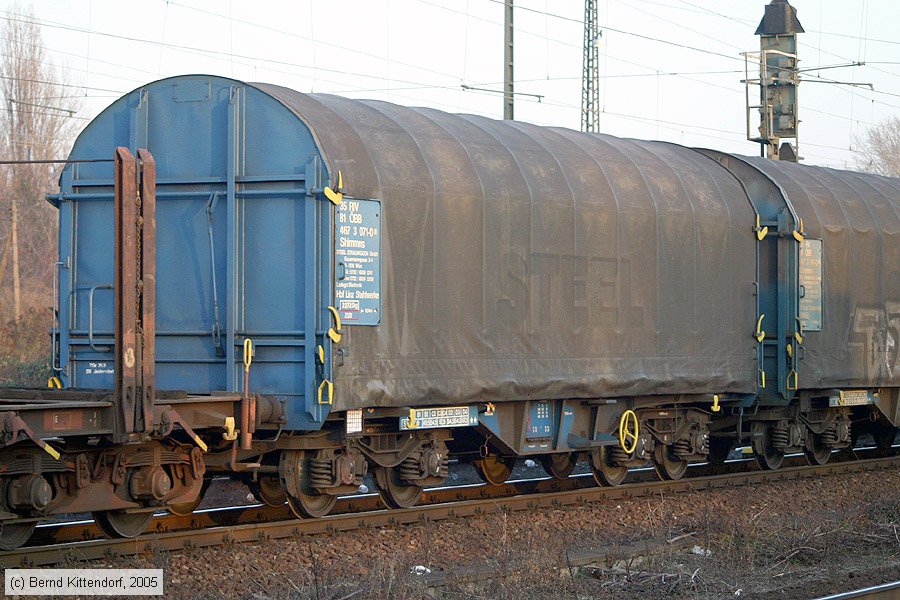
445,416
84,582
852,398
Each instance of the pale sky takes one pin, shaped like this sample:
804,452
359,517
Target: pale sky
420,52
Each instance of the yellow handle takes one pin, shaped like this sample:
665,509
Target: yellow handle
334,333
336,196
248,354
760,334
626,435
796,377
322,386
761,232
715,404
799,235
798,335
54,382
230,434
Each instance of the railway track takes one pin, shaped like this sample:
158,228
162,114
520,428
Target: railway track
82,541
887,591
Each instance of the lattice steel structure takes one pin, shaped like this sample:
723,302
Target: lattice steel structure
590,77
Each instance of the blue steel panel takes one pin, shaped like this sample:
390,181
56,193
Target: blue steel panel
217,143
540,420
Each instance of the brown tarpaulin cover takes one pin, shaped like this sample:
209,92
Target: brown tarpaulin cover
526,262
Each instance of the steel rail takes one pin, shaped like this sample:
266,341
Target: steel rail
887,591
208,529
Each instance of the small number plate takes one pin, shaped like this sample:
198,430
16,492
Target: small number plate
852,398
433,418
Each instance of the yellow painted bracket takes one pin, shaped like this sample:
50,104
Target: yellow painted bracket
798,234
248,354
230,434
335,333
323,399
798,335
320,353
715,404
761,232
796,380
54,382
412,419
336,195
629,430
760,335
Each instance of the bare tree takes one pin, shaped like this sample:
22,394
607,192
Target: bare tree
35,123
880,148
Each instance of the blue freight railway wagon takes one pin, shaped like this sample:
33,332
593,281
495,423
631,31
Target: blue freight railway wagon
298,290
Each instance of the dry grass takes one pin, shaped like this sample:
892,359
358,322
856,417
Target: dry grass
25,350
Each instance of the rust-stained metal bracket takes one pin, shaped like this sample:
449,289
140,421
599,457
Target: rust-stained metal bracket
169,419
135,291
15,430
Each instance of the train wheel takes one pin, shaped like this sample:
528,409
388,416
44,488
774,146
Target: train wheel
185,508
495,469
816,452
121,524
766,454
268,490
14,535
293,471
604,472
668,467
311,505
394,492
559,466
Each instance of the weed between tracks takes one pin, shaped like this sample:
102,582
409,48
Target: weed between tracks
793,539
756,553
